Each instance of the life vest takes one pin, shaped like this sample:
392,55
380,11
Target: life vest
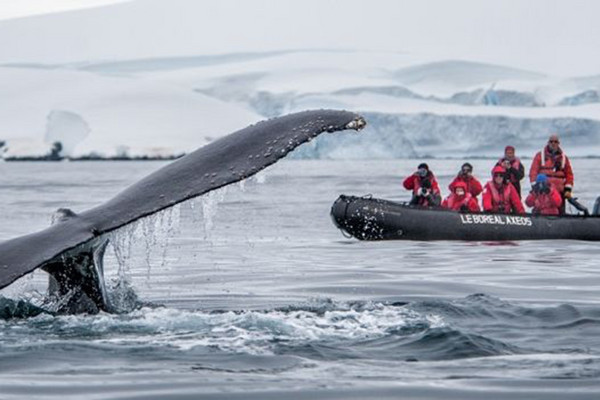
501,201
548,162
454,203
555,166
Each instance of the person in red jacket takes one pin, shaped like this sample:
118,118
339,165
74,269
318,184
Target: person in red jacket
554,163
461,199
515,171
424,186
501,196
544,198
466,175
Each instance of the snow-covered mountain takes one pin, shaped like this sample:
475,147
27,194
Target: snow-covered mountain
99,94
123,114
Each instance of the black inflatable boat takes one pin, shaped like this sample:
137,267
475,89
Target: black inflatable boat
367,218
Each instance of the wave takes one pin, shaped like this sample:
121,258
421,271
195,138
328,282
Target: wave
320,329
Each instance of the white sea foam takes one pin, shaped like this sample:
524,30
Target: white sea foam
252,332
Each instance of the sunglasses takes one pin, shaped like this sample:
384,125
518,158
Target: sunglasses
553,141
498,175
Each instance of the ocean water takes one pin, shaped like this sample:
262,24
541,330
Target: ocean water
251,292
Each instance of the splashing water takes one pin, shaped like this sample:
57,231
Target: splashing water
121,242
148,237
261,177
253,332
155,231
242,185
209,205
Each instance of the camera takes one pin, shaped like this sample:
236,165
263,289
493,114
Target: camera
557,165
541,187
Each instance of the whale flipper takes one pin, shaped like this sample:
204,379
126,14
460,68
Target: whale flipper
220,163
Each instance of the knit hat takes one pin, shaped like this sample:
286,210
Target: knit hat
541,178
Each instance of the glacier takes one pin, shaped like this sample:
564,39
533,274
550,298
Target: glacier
155,108
390,136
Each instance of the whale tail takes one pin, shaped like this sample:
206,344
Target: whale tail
76,281
72,249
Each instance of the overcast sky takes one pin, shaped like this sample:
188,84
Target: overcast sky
557,36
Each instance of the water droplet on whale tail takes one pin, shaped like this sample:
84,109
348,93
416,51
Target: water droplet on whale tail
357,124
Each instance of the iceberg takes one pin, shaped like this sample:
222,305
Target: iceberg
66,128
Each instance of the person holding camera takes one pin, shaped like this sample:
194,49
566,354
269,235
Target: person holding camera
500,196
424,186
465,175
554,163
515,171
544,198
461,199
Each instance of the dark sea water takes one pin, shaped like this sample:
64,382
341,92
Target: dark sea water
251,293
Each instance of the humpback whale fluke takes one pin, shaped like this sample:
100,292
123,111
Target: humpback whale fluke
77,239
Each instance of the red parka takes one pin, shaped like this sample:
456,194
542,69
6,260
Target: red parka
503,199
473,185
466,202
557,168
545,203
413,182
